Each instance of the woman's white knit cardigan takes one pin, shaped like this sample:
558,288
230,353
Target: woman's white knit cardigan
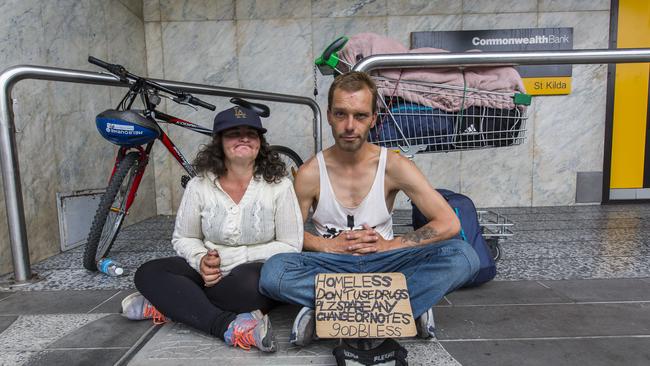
265,222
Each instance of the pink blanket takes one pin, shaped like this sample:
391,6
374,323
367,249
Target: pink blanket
419,85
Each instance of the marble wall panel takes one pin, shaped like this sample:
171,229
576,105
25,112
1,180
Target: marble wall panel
22,43
346,8
151,10
191,55
585,34
568,140
424,7
573,5
192,10
21,26
38,169
499,21
569,137
499,6
498,177
262,66
442,171
161,158
401,27
58,146
126,46
273,9
135,6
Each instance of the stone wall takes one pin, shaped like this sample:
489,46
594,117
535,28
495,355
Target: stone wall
270,45
59,149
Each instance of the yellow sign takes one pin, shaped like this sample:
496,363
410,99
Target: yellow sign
554,85
363,305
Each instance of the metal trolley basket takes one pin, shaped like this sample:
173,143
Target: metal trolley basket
415,127
420,117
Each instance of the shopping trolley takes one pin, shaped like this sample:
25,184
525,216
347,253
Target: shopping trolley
424,117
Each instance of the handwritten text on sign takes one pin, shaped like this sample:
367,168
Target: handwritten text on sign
363,305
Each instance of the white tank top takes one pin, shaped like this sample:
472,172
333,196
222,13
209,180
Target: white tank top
331,217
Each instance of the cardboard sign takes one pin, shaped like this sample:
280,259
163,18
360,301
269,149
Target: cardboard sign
363,305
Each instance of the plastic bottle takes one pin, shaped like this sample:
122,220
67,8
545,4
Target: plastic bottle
110,267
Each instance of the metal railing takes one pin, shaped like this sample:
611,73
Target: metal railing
9,160
8,150
631,55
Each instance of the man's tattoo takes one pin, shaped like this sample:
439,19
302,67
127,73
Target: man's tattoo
418,236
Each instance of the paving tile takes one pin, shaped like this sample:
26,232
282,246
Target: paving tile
533,321
95,357
623,289
573,249
36,332
177,344
107,332
5,294
572,268
505,292
129,259
6,321
79,279
15,357
53,302
607,235
557,352
588,223
114,303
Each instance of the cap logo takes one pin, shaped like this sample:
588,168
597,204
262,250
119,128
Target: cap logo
239,113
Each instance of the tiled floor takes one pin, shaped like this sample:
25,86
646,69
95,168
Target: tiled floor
573,288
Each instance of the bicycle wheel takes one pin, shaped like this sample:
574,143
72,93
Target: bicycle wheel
111,211
494,247
290,159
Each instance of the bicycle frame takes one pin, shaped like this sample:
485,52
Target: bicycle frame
169,145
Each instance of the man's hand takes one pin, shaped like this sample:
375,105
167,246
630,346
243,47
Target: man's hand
345,240
210,271
379,244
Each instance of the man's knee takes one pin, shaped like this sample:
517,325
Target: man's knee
273,270
466,262
469,262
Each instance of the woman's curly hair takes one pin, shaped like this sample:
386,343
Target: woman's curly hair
268,165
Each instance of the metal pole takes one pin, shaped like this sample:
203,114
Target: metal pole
8,150
252,94
503,58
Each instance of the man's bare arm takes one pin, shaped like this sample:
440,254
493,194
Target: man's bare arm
405,176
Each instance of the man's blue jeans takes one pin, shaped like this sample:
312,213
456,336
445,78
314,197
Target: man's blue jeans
431,271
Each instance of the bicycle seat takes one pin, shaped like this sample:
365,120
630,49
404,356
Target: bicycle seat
262,110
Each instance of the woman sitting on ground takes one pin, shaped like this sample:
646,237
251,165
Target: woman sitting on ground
240,210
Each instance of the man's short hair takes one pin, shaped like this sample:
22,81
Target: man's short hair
351,82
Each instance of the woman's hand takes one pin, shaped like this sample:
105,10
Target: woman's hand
210,271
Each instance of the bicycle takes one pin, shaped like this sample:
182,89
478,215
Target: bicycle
135,132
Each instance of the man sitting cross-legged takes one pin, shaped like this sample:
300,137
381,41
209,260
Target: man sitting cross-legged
351,187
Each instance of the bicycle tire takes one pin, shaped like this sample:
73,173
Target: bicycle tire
102,231
290,158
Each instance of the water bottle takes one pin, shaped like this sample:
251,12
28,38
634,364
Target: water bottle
110,267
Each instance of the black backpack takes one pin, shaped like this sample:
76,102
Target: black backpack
388,353
470,232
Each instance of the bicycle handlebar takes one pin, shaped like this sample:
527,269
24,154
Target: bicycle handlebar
124,75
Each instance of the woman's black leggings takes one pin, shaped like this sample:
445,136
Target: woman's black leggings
178,291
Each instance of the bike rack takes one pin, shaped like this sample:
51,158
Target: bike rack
8,151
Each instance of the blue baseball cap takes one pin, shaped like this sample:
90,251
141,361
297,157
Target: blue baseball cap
235,117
